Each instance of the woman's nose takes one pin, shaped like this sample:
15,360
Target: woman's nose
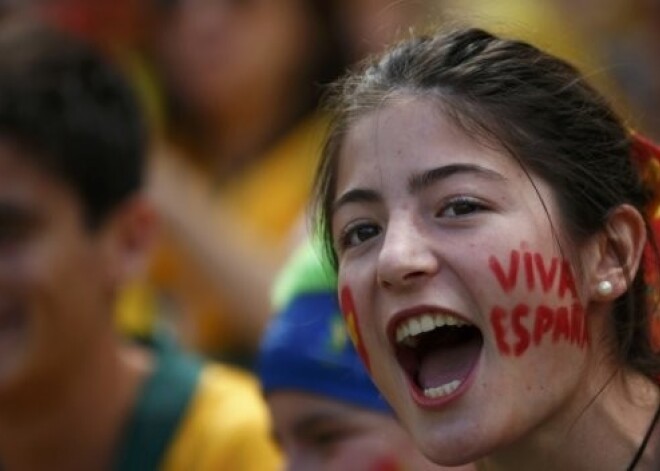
406,256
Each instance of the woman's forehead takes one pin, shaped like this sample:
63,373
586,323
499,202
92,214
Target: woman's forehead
411,136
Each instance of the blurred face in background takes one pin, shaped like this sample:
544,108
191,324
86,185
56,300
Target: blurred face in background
55,280
317,433
220,53
372,25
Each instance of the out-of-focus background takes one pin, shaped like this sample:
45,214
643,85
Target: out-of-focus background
231,89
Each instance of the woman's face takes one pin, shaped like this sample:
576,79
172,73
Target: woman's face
321,434
453,283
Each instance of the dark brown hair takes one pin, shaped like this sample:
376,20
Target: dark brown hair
73,112
535,106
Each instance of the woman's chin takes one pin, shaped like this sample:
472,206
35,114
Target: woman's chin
451,444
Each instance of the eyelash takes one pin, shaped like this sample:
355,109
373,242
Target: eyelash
352,230
475,206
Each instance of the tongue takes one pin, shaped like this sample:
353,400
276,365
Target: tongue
445,364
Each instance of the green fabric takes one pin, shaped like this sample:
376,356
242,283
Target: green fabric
303,274
161,406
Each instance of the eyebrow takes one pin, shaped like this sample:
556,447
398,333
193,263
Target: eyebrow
358,195
421,181
417,183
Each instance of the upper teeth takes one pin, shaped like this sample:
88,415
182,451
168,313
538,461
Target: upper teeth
424,323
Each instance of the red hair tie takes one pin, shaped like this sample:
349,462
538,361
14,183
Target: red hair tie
646,156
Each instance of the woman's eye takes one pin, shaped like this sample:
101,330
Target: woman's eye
357,234
460,207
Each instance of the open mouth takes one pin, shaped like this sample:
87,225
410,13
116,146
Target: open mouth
438,352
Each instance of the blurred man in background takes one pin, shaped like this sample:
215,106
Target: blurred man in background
74,227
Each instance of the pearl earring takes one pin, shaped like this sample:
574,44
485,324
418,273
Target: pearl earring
605,288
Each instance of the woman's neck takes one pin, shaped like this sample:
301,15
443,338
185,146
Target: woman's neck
601,429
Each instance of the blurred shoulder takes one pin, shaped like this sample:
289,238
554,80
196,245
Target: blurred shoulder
227,425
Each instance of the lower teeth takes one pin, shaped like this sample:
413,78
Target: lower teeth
443,390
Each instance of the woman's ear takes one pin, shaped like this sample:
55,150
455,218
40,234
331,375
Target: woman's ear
619,251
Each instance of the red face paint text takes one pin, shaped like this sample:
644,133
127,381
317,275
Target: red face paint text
524,326
352,326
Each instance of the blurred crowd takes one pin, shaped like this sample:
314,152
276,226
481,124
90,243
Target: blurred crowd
232,90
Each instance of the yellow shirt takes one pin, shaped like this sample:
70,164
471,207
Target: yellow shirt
195,416
227,427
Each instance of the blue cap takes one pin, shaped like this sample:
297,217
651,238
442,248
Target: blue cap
306,347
